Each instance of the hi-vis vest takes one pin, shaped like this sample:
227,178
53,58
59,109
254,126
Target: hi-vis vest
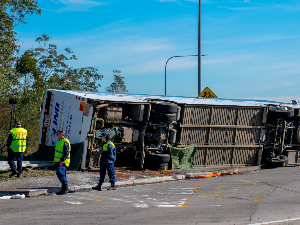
18,143
105,146
59,151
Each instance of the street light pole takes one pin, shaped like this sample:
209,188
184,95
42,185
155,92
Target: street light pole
166,68
199,49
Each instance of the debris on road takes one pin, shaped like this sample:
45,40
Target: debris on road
17,196
153,173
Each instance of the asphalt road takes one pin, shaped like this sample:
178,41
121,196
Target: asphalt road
260,197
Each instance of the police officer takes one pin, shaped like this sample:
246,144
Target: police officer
62,160
16,145
107,160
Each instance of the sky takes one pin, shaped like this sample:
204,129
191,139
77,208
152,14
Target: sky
251,47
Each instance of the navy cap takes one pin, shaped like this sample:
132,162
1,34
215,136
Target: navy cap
60,132
18,123
103,135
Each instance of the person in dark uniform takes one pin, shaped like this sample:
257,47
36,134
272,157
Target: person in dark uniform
107,160
62,160
16,145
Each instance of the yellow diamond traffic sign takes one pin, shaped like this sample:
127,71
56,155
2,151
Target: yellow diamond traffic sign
207,93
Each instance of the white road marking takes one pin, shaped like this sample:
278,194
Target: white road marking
164,203
186,193
167,206
84,198
141,205
277,221
170,204
73,203
140,201
118,199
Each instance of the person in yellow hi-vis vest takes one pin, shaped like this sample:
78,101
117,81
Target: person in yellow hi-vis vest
62,160
16,145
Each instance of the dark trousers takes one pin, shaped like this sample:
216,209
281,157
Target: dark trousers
110,170
61,173
10,159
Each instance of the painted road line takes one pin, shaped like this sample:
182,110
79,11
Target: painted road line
277,221
142,206
73,203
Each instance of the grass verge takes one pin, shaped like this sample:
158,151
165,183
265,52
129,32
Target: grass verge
30,172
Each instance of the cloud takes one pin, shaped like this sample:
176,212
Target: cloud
228,59
292,8
251,39
244,5
261,6
148,67
78,5
249,8
81,2
176,1
168,1
150,46
195,1
265,38
294,70
119,52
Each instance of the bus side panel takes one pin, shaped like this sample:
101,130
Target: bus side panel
62,111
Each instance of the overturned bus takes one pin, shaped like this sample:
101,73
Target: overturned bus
225,132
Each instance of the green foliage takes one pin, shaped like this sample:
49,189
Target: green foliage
4,122
118,86
12,13
37,70
26,64
43,68
29,76
53,71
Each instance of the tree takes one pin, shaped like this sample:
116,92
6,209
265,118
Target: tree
12,13
56,73
43,68
27,65
118,86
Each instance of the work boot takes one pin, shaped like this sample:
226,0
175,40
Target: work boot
19,175
64,190
112,187
13,173
98,187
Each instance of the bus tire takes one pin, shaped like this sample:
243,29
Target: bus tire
164,107
274,114
157,158
296,134
156,166
162,117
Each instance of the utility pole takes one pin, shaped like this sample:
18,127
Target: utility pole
199,49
